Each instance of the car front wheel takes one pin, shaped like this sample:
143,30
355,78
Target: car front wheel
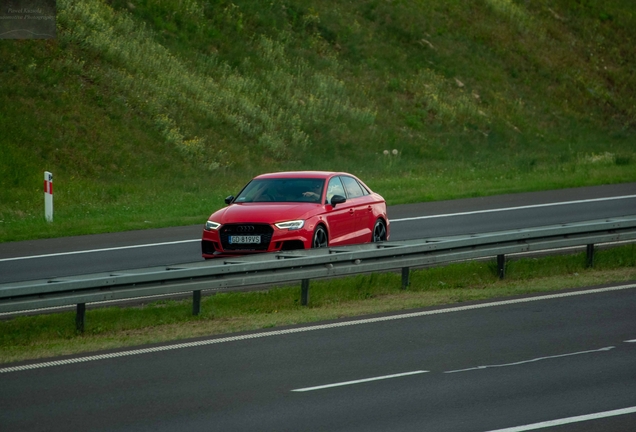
320,238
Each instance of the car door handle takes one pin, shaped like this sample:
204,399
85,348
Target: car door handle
350,211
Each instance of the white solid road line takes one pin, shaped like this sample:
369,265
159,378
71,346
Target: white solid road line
318,327
99,250
568,420
514,208
392,221
360,381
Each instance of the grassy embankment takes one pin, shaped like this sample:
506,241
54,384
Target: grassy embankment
150,112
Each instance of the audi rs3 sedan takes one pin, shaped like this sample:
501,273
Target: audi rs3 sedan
296,210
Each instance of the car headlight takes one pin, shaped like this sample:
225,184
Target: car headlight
291,225
209,225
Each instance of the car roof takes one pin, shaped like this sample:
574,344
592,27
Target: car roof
300,174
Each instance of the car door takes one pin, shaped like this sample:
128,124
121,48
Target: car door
358,197
341,217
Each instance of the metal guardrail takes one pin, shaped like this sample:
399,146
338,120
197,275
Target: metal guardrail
303,265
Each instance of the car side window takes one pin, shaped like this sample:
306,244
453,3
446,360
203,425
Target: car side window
335,188
352,187
365,191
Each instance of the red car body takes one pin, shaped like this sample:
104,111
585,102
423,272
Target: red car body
296,210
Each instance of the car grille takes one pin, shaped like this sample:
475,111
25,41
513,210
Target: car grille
265,231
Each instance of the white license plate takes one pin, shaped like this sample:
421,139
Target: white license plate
245,239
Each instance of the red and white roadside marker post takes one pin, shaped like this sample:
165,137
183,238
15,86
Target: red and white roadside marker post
48,196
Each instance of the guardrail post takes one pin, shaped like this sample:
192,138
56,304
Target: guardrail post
80,317
501,266
406,277
196,302
590,255
304,292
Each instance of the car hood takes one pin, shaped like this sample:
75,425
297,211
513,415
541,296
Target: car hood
264,212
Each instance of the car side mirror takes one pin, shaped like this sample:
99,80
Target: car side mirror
337,199
229,200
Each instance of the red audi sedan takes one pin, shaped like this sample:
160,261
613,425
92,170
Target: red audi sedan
296,210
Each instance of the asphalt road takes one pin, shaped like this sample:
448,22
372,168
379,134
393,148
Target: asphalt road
43,259
563,363
478,367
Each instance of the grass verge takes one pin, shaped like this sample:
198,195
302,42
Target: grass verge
32,337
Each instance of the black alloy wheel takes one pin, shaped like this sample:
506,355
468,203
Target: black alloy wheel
379,231
320,238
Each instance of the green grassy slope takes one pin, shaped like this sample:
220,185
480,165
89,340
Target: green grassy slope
149,112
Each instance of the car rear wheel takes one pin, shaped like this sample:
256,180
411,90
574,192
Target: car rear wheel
379,231
320,238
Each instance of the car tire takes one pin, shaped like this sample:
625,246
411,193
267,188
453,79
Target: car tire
379,231
320,240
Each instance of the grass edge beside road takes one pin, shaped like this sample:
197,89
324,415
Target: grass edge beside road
41,336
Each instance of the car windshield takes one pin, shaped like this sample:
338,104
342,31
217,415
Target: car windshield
282,190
